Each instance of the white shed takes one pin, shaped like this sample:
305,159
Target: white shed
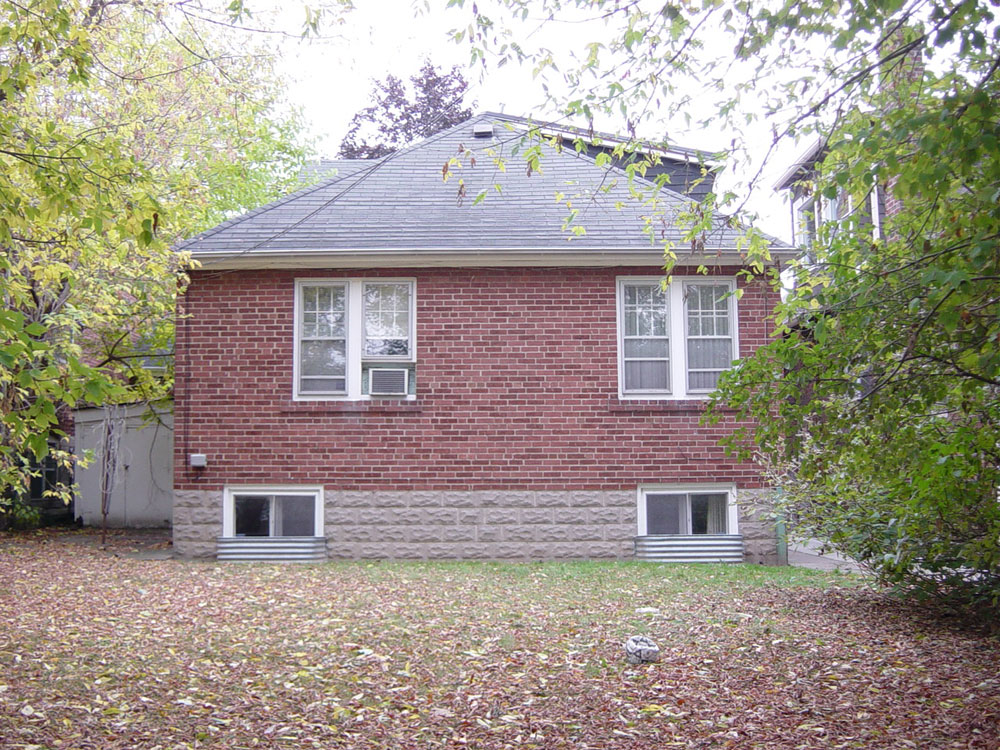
143,476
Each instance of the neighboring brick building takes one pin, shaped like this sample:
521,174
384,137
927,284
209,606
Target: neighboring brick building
381,367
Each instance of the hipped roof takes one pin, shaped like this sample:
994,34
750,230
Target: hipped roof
401,207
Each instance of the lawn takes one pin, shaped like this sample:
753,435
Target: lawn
106,651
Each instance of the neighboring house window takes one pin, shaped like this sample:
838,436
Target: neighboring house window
813,213
51,477
694,511
674,339
805,222
272,512
832,209
341,325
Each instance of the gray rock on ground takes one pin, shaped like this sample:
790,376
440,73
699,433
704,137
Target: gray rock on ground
641,650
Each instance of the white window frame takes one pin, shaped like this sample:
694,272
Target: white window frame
831,209
409,357
677,321
801,236
827,212
348,319
355,335
732,508
876,203
229,503
733,321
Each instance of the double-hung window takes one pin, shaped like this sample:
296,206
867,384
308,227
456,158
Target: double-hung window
645,337
322,340
816,216
805,221
344,327
708,319
675,338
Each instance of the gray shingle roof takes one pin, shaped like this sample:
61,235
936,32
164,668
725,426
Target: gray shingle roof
326,169
402,202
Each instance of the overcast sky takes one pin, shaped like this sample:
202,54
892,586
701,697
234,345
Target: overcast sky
382,37
332,77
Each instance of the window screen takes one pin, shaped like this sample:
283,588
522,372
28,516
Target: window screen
665,514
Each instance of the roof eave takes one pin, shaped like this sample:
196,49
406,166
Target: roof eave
465,258
792,175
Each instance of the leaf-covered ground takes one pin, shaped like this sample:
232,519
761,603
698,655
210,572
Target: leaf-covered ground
104,651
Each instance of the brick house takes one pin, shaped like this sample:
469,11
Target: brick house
381,366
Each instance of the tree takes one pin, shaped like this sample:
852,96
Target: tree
877,407
395,120
123,127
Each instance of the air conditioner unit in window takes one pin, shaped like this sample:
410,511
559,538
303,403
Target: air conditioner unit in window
387,381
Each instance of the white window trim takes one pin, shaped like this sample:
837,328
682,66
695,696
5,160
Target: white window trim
229,503
800,237
677,320
876,216
355,334
831,209
732,508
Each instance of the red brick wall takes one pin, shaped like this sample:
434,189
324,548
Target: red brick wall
516,389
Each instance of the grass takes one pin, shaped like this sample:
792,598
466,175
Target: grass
105,651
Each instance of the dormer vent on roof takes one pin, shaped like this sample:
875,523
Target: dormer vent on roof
482,130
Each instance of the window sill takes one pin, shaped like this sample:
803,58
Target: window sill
373,406
662,406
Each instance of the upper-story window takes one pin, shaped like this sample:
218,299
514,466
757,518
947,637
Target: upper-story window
645,337
674,339
806,224
344,325
814,213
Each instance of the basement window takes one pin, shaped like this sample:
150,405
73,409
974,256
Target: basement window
272,512
669,511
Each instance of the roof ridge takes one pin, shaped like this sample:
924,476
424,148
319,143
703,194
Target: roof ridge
338,160
605,135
